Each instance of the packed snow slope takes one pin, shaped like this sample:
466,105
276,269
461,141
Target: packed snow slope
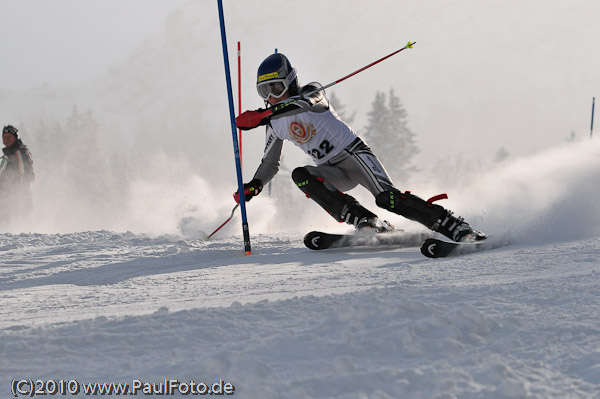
521,321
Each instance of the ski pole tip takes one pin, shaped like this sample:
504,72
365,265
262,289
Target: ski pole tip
410,45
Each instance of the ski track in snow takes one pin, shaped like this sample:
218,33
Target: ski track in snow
286,322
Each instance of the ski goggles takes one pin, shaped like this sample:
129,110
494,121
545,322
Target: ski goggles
275,87
10,129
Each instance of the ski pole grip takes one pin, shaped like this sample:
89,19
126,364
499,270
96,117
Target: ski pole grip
251,119
247,192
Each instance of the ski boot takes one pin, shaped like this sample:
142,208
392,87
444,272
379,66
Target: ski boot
428,214
457,229
363,219
376,224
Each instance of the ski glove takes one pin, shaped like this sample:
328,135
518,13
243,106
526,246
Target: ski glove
251,189
251,119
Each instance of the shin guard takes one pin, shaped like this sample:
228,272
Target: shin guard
428,214
342,207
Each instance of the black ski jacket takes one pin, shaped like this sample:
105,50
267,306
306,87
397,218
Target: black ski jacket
17,171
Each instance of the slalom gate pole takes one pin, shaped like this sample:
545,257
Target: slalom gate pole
592,127
239,54
236,149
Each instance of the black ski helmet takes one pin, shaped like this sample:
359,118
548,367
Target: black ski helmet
11,129
277,67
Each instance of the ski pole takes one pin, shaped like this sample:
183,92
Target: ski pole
252,118
236,197
409,45
225,222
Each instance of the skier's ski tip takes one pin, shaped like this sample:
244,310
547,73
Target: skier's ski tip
436,248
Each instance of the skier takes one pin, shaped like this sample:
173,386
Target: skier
343,160
16,176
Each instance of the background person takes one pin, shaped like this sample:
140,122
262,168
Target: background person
16,176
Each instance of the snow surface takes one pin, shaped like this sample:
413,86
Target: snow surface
522,321
111,281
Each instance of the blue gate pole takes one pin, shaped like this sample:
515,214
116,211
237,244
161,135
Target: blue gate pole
236,148
592,127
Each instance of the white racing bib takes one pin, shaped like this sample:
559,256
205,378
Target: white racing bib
320,135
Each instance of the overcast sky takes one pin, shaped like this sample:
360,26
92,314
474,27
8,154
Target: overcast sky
484,73
72,41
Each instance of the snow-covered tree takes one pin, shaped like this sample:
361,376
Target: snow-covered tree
502,155
387,132
84,156
377,128
340,109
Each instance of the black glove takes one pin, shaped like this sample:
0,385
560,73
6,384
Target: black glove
251,189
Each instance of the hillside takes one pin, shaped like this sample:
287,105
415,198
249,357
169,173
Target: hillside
286,322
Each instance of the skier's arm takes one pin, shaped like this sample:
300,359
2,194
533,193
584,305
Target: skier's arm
3,162
270,163
267,169
28,173
310,99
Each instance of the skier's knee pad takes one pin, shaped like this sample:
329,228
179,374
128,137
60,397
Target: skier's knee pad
313,185
302,178
411,207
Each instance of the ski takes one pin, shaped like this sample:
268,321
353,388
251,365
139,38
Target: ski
436,248
318,240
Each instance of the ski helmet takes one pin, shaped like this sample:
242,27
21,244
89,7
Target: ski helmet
275,77
11,130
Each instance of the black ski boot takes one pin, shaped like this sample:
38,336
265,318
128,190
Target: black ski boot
363,219
428,214
457,229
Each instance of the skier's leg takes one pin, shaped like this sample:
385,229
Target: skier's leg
430,215
342,207
362,166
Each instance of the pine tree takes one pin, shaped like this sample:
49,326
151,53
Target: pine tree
502,155
572,137
402,143
377,128
339,109
389,136
85,159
